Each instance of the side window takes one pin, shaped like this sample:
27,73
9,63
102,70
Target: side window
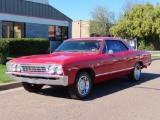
104,48
123,47
113,45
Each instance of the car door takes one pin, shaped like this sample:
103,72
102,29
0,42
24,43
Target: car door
117,64
104,60
130,57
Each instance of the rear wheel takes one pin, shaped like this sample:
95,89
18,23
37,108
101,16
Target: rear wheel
81,87
32,87
136,73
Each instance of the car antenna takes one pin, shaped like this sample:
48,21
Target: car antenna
50,45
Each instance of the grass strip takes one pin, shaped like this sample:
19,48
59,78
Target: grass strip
3,77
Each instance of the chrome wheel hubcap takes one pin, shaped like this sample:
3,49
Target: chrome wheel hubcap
137,72
83,85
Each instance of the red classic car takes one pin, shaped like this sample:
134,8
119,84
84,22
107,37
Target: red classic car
78,63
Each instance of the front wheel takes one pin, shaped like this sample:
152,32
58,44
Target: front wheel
136,73
81,87
32,87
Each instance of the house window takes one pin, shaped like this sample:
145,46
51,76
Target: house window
13,29
51,32
7,30
64,33
18,30
58,33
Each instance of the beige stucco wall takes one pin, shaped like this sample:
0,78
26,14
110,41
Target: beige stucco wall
80,29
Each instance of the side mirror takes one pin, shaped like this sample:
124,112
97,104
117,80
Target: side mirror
110,52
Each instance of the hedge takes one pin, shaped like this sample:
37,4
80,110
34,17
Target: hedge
27,46
4,51
149,46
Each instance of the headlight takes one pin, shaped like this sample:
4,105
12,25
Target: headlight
13,67
18,68
51,69
57,69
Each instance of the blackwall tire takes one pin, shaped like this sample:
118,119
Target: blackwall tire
81,87
32,87
136,73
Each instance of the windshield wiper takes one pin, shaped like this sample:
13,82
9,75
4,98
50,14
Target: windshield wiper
59,51
73,51
69,51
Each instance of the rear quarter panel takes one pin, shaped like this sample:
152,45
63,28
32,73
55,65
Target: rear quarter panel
133,56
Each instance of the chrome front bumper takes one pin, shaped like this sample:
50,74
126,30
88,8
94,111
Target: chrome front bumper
39,78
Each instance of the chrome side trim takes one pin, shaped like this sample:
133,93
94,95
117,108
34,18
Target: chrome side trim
107,73
39,78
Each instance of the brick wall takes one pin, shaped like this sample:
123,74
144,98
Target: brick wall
0,29
36,30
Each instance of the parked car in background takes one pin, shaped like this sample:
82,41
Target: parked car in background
78,64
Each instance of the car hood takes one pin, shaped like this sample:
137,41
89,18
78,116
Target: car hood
55,58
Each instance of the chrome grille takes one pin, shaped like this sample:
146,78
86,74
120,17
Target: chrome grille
34,68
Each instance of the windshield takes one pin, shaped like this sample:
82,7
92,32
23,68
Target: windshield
79,45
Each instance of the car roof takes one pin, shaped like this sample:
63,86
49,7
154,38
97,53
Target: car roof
103,38
96,38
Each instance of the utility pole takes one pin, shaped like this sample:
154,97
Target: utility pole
80,24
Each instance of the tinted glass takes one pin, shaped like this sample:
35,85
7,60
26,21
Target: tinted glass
113,45
7,29
13,29
58,33
123,47
79,45
104,49
18,30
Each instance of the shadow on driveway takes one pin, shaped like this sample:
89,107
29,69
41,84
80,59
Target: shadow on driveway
103,88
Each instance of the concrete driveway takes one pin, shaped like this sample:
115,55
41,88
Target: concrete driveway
118,99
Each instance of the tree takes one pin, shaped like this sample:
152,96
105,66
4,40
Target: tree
142,22
101,21
129,4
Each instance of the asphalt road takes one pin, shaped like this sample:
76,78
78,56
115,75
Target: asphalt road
118,99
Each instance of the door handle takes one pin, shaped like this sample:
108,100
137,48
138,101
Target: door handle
115,60
102,62
124,58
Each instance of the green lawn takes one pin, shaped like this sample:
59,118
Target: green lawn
155,57
3,77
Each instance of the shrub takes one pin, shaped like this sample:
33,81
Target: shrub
150,47
4,50
147,45
141,45
27,46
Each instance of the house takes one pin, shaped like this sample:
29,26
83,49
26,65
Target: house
33,19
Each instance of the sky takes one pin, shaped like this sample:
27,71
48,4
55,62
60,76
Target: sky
80,9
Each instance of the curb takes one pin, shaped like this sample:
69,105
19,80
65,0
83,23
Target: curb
13,85
155,59
7,86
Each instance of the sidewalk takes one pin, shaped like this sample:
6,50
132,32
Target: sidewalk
6,86
154,53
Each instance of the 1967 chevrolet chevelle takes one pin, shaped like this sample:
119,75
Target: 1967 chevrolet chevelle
78,63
